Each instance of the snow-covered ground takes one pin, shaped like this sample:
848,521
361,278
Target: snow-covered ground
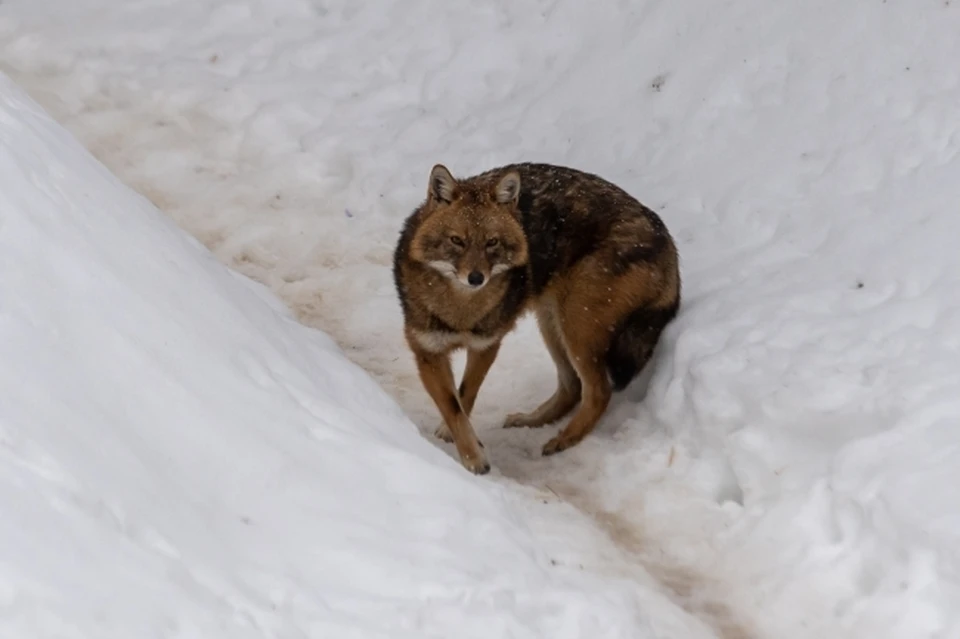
179,457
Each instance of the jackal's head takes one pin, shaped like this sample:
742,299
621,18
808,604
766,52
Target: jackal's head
471,231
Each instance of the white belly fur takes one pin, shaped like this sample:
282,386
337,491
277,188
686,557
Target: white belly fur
440,341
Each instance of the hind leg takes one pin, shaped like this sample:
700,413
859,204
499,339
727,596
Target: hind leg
568,383
595,399
587,341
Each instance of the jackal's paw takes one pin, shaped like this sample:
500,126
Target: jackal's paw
443,432
476,464
521,420
559,444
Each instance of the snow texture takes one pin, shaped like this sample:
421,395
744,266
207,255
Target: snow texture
179,456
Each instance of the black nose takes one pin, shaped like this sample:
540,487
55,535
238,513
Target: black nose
475,278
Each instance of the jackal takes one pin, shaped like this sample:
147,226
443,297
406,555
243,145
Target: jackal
598,268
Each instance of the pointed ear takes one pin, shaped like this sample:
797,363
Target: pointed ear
508,188
441,185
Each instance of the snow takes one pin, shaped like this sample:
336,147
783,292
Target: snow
788,468
180,458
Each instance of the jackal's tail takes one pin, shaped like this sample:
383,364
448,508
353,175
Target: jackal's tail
633,344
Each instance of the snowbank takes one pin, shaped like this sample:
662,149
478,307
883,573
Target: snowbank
178,458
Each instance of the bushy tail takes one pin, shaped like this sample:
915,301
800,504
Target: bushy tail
633,344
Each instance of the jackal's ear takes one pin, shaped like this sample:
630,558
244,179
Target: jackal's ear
508,188
441,185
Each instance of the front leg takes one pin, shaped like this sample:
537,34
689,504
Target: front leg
437,378
478,365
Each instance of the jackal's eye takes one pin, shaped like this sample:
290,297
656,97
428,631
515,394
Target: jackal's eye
456,240
492,242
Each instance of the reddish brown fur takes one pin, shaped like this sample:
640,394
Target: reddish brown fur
598,268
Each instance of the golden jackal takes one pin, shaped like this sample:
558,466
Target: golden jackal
598,268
